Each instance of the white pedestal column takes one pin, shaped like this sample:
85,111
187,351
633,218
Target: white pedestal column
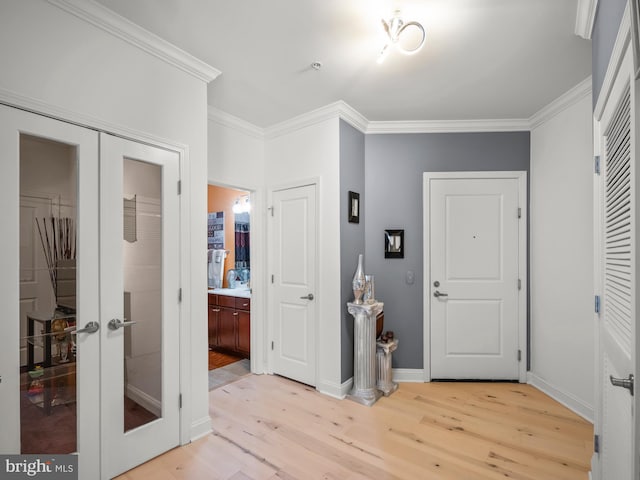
364,389
384,379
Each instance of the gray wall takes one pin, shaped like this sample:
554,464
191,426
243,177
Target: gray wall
605,30
394,164
351,234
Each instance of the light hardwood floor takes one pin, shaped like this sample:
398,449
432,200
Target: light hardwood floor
269,428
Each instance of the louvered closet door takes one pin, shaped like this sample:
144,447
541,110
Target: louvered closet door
617,334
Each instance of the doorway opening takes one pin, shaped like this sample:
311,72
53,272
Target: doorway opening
229,284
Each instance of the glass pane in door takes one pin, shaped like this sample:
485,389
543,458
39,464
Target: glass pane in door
142,264
48,192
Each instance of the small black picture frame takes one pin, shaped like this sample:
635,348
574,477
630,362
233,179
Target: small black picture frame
354,207
394,244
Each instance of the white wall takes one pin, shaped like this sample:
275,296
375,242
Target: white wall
562,329
59,63
313,153
236,151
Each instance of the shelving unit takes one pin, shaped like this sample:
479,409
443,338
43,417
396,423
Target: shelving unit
58,386
57,383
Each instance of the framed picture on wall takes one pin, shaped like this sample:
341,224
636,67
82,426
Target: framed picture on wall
354,207
394,244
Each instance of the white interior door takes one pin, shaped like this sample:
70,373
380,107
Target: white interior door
616,420
139,305
474,281
41,154
294,281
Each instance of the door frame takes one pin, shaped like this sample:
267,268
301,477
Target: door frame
258,330
190,428
270,267
521,177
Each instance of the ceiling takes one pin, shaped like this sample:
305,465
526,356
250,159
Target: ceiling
483,59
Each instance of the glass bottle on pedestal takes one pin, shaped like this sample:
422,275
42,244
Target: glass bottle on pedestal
359,281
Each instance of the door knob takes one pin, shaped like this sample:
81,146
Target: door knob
623,382
439,294
91,327
308,297
116,323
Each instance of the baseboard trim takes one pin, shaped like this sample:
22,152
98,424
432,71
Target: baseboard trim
568,400
144,400
346,387
409,375
200,428
335,390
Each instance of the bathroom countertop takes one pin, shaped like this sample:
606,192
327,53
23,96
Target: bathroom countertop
242,292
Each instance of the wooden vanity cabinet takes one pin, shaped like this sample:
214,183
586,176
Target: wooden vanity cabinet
230,324
214,316
243,310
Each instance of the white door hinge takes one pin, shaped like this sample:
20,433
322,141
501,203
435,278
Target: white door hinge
271,344
271,209
519,212
180,295
179,187
596,164
597,304
273,278
519,284
180,401
519,355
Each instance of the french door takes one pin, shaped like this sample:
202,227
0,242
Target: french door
139,303
98,371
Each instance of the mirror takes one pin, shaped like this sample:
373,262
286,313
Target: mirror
229,232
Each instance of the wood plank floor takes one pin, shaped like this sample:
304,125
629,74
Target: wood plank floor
269,428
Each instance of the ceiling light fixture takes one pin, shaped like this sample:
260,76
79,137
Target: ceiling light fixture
242,205
410,43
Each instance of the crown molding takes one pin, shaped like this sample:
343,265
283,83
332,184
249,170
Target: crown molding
347,113
353,117
561,103
615,61
339,109
585,18
109,21
448,126
227,120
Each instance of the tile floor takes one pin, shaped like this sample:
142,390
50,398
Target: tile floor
230,373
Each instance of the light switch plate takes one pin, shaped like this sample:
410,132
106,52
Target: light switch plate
410,277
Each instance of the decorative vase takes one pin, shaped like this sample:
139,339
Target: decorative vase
369,292
359,282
